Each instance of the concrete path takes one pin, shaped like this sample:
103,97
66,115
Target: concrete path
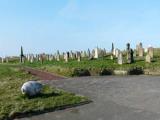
114,98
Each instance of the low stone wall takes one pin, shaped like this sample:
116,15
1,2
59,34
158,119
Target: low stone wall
120,72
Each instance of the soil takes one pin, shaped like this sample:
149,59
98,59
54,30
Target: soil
42,74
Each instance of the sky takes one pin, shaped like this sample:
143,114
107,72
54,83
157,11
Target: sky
50,25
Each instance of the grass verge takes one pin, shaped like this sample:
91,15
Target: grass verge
14,104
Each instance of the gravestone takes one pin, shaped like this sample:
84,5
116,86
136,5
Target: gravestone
120,58
42,56
66,57
104,52
150,51
31,58
78,56
89,53
58,56
96,53
112,49
31,88
2,60
135,53
71,54
141,52
117,51
148,58
130,58
112,57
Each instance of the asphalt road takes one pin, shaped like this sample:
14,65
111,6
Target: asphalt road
114,98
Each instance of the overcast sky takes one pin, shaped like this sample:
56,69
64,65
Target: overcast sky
50,25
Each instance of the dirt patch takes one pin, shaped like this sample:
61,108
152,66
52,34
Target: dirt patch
42,75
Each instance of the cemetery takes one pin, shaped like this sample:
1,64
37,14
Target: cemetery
99,61
23,94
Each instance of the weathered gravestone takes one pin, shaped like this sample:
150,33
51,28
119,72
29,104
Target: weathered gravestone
120,58
58,56
78,56
96,55
148,58
2,60
88,53
66,56
112,57
31,88
140,50
117,51
150,51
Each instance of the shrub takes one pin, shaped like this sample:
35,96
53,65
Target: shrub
80,72
136,71
106,72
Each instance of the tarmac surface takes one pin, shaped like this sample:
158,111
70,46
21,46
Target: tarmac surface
114,98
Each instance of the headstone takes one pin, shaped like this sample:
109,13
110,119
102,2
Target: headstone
31,58
135,53
130,58
96,53
117,51
78,56
141,52
31,88
120,58
42,58
89,53
104,52
148,58
2,60
7,60
93,53
112,50
66,57
112,57
150,51
58,56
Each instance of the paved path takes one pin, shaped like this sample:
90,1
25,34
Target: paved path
114,98
42,75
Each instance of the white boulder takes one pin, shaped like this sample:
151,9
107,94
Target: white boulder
31,88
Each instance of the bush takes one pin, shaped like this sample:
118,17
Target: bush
136,71
80,72
106,72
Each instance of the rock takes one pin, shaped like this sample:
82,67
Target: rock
31,88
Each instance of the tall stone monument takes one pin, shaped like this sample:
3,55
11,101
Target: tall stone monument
21,56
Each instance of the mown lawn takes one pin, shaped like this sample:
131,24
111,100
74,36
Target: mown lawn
13,103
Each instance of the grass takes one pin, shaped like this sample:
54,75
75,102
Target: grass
93,66
13,103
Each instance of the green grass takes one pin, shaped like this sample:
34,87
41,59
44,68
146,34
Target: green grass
12,102
93,66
